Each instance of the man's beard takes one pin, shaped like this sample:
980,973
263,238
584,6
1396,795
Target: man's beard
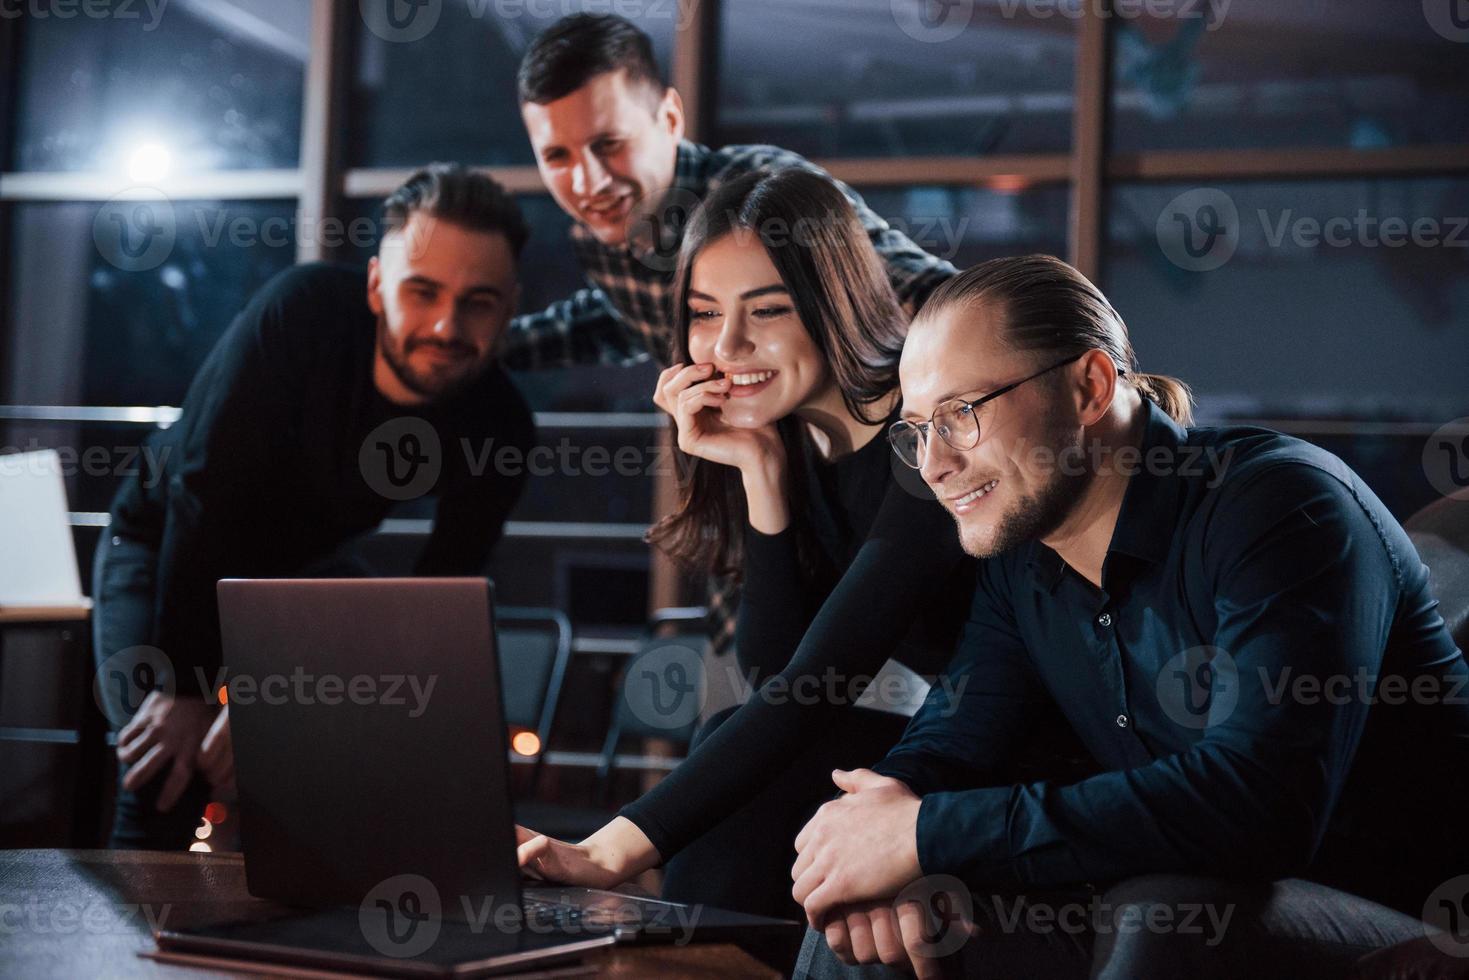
430,385
1043,511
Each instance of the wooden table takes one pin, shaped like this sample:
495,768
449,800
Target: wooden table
77,914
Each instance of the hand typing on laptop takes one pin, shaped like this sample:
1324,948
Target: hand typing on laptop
609,857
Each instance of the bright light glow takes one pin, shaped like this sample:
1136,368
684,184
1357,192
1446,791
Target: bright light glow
204,829
216,813
201,847
526,743
149,163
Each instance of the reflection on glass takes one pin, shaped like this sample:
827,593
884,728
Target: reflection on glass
439,82
878,78
153,89
122,312
1344,298
966,225
1349,73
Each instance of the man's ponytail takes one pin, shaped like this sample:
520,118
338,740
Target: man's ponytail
1174,397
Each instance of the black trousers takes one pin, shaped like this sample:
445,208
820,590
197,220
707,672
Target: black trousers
744,862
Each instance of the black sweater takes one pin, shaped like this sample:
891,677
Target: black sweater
278,459
893,583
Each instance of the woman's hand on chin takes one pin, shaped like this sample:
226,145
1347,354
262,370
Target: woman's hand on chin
693,396
609,857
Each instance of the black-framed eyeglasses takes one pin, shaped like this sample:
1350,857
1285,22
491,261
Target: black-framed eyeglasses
955,420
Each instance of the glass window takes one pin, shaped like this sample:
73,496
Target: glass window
879,78
1340,298
146,89
968,224
1352,73
118,303
439,83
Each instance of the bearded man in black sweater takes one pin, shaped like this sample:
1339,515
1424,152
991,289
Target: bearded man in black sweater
333,396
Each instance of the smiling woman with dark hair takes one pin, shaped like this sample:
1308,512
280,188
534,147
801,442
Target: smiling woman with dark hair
784,378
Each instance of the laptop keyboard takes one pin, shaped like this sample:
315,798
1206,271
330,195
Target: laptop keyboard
556,915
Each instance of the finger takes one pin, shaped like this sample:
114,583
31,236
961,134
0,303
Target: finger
913,926
807,883
718,387
145,769
804,837
864,950
803,862
136,725
660,397
851,781
217,767
886,937
524,835
140,720
822,895
145,739
689,407
213,745
175,784
531,856
839,939
690,375
690,432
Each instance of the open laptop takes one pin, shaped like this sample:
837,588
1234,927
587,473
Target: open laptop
371,759
35,531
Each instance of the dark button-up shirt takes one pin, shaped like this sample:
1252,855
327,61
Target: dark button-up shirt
1263,677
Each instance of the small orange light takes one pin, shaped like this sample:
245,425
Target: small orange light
1007,183
216,813
224,694
526,743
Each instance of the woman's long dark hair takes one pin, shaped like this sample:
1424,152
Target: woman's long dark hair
840,290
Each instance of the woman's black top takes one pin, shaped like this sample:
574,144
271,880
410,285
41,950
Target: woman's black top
892,583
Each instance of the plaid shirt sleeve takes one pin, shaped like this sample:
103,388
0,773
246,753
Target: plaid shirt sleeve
723,604
913,272
584,329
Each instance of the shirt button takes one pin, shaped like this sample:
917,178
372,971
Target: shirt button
1121,721
1105,619
116,541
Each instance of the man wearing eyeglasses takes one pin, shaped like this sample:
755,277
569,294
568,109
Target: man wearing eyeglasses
1251,654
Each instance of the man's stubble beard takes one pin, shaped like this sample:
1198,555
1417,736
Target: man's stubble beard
397,362
1037,515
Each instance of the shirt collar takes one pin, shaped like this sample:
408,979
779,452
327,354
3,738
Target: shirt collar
1145,524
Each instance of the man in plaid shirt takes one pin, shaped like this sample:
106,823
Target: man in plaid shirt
608,137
